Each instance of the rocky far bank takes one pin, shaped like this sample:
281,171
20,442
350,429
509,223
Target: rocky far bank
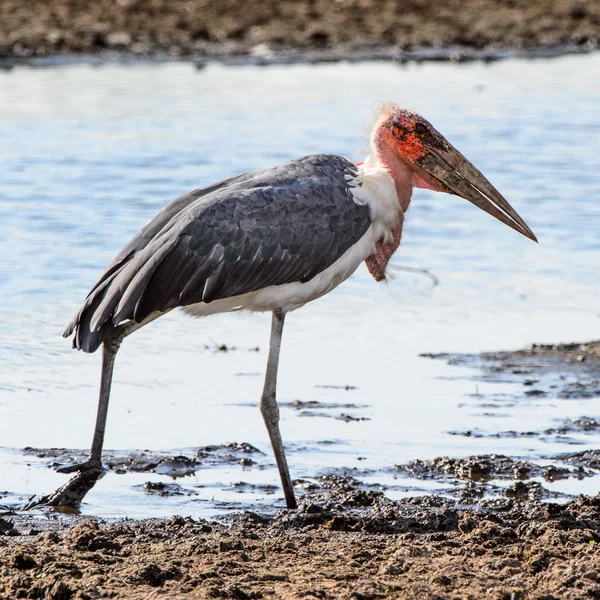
370,28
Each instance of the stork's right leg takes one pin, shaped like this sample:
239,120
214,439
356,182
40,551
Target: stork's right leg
270,410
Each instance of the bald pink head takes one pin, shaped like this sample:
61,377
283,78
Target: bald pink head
403,130
417,155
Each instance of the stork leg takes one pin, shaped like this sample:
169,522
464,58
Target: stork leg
110,347
270,410
72,493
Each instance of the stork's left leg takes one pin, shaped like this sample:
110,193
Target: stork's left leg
270,410
72,493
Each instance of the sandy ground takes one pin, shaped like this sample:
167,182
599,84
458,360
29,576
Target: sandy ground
500,534
226,27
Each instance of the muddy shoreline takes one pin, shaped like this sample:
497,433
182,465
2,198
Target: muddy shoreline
497,529
274,31
341,543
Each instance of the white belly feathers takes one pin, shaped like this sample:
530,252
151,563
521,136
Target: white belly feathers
290,296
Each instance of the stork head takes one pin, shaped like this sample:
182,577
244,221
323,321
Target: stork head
404,139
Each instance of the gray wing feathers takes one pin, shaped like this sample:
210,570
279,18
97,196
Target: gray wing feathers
130,283
260,229
146,235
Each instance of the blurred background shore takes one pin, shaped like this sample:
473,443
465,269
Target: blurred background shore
226,28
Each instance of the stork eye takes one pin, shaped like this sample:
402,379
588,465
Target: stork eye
398,131
420,129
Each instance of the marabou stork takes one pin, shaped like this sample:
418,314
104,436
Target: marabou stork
270,240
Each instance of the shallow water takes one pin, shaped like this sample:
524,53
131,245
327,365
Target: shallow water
90,153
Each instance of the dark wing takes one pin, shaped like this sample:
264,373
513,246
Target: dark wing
263,228
85,338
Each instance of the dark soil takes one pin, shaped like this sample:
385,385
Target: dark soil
330,30
342,543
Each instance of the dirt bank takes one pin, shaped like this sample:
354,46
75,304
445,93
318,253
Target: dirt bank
209,28
344,543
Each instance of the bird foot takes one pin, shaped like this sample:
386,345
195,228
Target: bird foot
70,495
87,466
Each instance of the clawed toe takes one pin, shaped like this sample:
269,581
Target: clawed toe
71,494
86,467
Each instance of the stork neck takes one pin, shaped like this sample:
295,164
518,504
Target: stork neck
398,175
399,171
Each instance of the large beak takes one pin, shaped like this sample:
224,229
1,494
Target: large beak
448,166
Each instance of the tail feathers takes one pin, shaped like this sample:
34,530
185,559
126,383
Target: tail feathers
114,299
130,298
71,327
87,339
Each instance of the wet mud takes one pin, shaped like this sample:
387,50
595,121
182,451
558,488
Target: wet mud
562,433
556,373
545,373
342,543
488,467
560,371
496,527
326,410
329,410
161,463
587,458
276,32
492,477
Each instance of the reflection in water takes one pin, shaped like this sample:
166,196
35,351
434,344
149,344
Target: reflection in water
89,154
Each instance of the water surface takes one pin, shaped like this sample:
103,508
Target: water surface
89,153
